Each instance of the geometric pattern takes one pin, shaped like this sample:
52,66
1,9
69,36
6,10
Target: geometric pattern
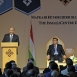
27,2
9,53
1,2
65,2
27,6
5,6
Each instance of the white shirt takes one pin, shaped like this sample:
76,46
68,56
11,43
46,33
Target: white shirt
64,72
11,35
55,45
56,52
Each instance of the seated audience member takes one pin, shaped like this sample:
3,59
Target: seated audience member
53,66
48,69
7,73
72,74
11,68
30,66
14,75
69,62
62,67
31,73
31,60
75,68
56,73
40,75
8,65
15,71
14,66
0,71
71,71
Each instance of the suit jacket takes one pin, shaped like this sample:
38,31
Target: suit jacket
3,75
46,70
35,68
48,74
59,50
7,38
23,74
0,71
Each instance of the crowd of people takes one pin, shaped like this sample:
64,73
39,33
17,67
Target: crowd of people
30,70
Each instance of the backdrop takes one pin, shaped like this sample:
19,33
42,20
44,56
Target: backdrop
42,32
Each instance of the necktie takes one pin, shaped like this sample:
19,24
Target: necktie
11,37
55,48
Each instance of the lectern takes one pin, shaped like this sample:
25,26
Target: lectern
9,52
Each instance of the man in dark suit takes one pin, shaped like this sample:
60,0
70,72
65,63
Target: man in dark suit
11,37
55,51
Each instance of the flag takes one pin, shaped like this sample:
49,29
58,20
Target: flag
31,49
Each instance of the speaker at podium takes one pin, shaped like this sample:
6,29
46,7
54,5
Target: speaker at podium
9,52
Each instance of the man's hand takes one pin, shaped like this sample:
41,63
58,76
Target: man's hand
64,57
48,57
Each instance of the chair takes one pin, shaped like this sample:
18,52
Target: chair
69,52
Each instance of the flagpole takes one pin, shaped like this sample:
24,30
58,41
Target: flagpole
30,22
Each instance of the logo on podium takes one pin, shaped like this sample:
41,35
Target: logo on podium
9,53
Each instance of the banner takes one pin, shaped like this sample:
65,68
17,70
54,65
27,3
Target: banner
27,6
5,5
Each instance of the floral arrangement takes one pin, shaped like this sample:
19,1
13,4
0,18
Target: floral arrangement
74,59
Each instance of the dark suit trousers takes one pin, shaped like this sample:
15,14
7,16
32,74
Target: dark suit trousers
57,57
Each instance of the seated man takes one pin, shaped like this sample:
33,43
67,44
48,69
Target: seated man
55,51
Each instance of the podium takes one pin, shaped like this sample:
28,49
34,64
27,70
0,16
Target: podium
9,52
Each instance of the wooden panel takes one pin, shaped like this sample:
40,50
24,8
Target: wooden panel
8,54
9,44
69,52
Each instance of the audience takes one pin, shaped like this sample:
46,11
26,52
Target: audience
0,72
30,70
14,66
29,66
31,60
7,73
31,73
72,74
40,75
69,63
52,66
8,65
14,75
48,69
75,68
71,71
